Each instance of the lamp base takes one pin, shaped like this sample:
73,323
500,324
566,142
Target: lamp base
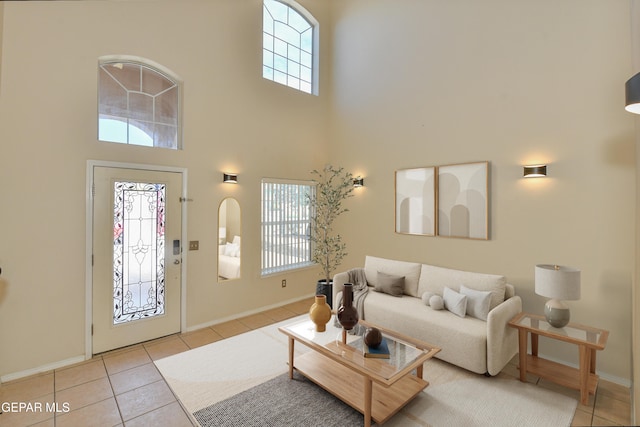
556,313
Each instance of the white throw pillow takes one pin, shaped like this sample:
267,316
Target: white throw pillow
477,302
434,279
426,296
455,302
436,302
232,249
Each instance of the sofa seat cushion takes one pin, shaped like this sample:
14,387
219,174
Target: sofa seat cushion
435,279
409,270
463,340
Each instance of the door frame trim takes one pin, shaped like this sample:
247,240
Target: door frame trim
91,165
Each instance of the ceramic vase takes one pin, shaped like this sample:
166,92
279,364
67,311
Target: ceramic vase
320,313
373,337
347,313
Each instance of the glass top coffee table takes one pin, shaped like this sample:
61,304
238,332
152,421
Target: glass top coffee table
378,388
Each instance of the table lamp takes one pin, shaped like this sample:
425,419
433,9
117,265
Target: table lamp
558,283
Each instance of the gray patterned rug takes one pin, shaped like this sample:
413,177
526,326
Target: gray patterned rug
281,402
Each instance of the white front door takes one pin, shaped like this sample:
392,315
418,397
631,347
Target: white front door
136,256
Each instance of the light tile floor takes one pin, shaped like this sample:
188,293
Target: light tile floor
124,388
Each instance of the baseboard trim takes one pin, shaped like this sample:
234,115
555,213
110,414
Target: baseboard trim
77,359
247,313
41,369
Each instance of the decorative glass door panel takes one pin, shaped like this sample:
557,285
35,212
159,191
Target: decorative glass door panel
138,251
136,274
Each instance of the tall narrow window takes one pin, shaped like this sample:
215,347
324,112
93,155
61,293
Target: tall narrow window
286,225
290,45
138,251
138,104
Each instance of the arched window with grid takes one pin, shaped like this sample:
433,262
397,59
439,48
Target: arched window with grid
290,45
138,103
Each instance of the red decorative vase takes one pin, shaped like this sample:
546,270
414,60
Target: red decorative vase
320,313
347,313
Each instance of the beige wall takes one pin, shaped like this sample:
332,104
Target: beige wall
233,121
1,34
427,82
635,55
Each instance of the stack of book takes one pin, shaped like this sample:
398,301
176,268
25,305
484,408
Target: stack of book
380,352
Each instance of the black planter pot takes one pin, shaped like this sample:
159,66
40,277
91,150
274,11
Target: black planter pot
326,289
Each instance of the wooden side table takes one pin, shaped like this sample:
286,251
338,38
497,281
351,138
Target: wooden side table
588,340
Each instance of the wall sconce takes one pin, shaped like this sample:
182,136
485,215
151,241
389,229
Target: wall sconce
632,94
358,182
535,171
230,178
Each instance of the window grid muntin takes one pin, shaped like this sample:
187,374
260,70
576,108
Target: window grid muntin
285,225
163,130
294,73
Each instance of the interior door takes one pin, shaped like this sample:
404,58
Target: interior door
136,256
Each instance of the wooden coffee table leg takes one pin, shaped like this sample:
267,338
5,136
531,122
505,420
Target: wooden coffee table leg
291,341
368,396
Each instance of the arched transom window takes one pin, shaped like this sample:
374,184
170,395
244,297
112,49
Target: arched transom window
138,104
290,46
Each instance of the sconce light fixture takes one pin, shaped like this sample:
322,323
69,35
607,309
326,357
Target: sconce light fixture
230,178
535,171
358,182
632,94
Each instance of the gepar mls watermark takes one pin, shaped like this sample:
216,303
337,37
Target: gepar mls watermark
35,407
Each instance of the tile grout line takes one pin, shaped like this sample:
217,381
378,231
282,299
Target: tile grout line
154,382
55,398
113,391
187,413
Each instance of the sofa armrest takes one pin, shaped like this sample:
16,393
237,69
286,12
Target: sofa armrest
338,285
502,340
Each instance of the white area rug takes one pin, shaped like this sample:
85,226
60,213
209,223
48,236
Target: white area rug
210,374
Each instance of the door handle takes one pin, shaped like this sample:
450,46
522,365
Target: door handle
176,261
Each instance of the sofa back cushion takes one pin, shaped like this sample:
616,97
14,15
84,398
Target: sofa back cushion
409,270
435,279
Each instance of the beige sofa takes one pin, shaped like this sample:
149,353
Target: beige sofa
482,346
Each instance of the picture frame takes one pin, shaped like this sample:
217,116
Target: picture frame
447,201
415,201
463,200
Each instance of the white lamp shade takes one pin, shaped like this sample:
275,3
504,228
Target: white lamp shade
557,282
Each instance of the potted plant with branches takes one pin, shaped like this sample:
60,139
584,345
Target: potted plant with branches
333,187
